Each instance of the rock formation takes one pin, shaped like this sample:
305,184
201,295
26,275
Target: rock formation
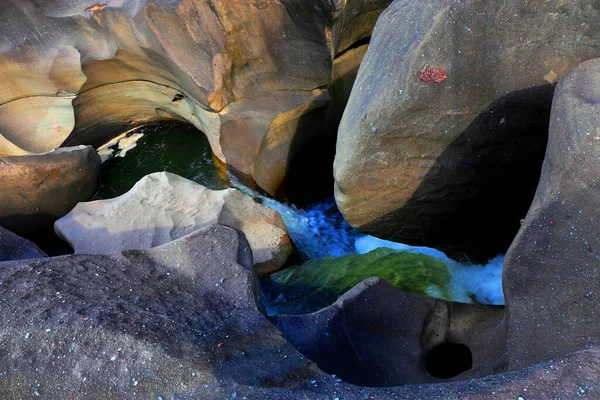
551,270
162,207
14,247
250,75
454,164
36,189
181,321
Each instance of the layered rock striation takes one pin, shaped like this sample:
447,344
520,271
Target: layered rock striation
250,75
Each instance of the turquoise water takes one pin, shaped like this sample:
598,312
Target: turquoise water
175,147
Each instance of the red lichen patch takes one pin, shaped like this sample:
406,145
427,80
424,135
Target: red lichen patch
95,7
432,75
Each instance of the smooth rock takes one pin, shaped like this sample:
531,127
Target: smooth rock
162,207
454,165
376,335
37,189
551,270
14,247
78,74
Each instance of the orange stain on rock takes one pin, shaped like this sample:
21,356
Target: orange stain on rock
96,7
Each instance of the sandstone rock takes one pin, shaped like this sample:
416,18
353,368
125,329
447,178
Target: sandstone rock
455,164
551,270
162,207
37,189
14,247
80,75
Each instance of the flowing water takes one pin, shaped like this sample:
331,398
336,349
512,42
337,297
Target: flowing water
319,232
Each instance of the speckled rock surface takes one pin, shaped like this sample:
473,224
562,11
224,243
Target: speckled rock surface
162,207
551,270
14,247
37,189
76,74
455,164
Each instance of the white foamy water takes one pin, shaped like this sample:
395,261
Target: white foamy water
321,230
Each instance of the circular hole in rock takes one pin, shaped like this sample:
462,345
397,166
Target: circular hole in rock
447,360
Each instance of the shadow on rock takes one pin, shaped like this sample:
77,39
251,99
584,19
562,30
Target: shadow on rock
492,168
376,335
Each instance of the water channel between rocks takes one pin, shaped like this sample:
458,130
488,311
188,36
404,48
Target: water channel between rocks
333,256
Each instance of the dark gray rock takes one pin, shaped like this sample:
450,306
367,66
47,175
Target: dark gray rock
377,335
140,323
14,247
551,278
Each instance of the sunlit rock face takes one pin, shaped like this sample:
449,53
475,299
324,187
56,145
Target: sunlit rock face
244,73
162,207
454,164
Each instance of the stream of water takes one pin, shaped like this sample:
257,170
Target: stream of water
318,230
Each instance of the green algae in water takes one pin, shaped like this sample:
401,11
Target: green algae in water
174,147
318,283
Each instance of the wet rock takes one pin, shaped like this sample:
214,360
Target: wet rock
455,164
162,207
37,189
551,277
104,70
14,247
317,283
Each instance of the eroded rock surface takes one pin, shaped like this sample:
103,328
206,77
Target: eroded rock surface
140,323
162,207
37,189
455,164
247,74
376,335
551,270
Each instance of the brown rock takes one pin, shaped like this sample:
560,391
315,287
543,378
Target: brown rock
231,68
37,189
455,164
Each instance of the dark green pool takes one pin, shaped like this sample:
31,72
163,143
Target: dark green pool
174,147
